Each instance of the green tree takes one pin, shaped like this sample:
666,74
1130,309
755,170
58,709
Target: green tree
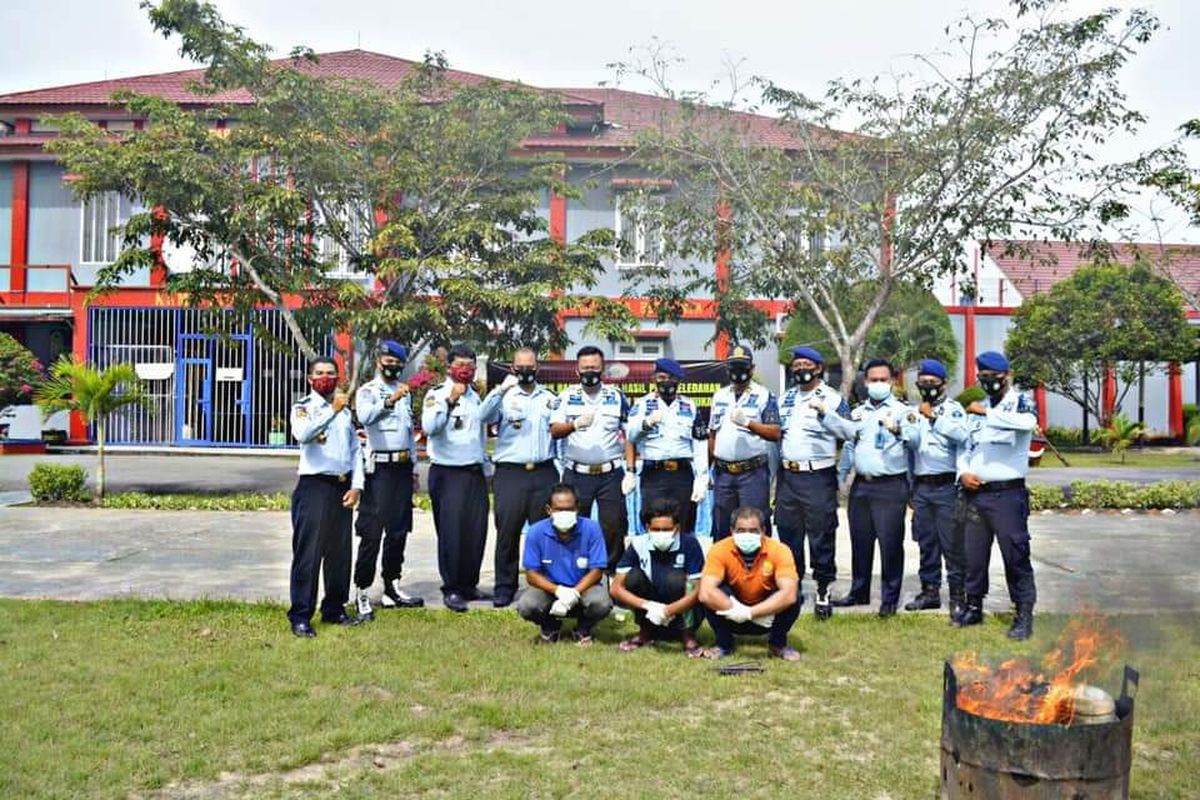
94,393
20,372
1103,316
1121,434
998,143
418,189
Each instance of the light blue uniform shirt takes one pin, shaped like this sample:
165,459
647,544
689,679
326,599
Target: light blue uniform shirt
877,451
456,435
741,444
935,444
524,424
998,446
805,438
328,443
389,430
602,441
674,437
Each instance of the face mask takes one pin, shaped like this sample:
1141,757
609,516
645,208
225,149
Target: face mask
879,390
993,386
563,520
739,375
590,377
324,385
526,375
662,540
667,389
747,542
804,376
391,371
462,374
930,394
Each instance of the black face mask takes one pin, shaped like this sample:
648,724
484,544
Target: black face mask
526,376
667,389
804,376
739,375
590,378
391,371
993,386
930,394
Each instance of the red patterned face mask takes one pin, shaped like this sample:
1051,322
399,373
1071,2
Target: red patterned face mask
462,374
324,385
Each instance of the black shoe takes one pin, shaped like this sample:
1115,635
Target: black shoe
958,604
395,597
822,608
887,610
303,630
929,598
502,600
343,619
972,613
849,600
1022,624
478,594
455,602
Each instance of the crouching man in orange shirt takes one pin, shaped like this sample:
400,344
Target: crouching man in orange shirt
749,586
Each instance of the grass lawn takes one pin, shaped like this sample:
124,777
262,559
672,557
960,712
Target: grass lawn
217,699
1142,459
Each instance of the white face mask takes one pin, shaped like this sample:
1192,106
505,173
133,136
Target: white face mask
879,390
747,542
563,520
662,540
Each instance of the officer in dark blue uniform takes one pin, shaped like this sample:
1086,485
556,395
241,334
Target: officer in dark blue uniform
992,471
330,484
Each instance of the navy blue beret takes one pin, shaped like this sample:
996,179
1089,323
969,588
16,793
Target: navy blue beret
991,360
931,366
388,347
669,366
807,352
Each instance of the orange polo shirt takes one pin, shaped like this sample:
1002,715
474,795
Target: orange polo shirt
751,585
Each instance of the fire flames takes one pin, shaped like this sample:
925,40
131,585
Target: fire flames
1016,691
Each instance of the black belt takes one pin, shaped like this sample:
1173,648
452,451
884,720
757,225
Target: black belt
528,466
669,465
1000,486
464,467
738,467
899,476
940,479
326,478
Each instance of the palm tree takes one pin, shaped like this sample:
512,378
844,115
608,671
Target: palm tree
95,393
1120,434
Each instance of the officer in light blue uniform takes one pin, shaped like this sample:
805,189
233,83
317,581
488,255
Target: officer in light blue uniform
806,489
385,412
741,429
589,421
991,470
940,432
671,439
330,484
877,431
453,420
520,407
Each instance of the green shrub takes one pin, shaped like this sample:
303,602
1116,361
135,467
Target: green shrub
1122,494
971,394
1064,437
1191,424
20,373
242,501
1169,494
1046,497
1102,494
58,483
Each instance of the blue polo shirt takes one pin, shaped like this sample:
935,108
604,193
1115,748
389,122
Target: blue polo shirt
565,563
685,554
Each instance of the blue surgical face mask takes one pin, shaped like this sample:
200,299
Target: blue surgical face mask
879,390
747,543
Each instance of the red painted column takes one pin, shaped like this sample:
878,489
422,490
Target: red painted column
1175,399
344,356
19,250
724,220
558,233
158,272
1108,395
1039,399
78,432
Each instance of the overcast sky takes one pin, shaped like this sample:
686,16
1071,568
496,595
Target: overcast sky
797,43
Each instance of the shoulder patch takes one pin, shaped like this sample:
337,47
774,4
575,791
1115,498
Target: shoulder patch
300,411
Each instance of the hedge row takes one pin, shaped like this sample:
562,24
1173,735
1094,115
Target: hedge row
1116,494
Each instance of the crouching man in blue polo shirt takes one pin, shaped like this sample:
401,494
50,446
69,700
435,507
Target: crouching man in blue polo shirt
659,578
565,558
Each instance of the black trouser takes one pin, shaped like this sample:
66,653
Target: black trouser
385,511
776,635
877,510
320,543
676,485
673,586
460,505
1003,515
605,490
521,497
806,505
732,491
937,534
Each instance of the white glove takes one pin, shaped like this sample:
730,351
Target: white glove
654,418
699,488
509,382
585,419
738,417
738,612
629,482
765,622
656,614
559,609
567,596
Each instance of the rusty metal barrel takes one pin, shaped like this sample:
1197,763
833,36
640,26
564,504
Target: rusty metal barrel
992,759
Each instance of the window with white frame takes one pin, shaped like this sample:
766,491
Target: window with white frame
638,229
102,213
333,250
807,242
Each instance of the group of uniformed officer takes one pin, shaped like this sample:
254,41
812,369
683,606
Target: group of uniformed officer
961,469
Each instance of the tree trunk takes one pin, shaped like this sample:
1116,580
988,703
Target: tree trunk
1085,442
849,371
100,454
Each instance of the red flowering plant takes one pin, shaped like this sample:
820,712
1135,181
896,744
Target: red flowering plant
432,373
20,373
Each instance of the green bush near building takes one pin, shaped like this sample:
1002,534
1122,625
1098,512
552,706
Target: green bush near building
59,483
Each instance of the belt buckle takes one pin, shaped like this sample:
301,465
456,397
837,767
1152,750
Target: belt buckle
671,465
342,478
595,469
530,466
734,469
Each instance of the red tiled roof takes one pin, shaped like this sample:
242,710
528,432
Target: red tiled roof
1034,266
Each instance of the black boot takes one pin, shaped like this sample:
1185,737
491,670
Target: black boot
823,607
930,597
958,604
973,612
1022,624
